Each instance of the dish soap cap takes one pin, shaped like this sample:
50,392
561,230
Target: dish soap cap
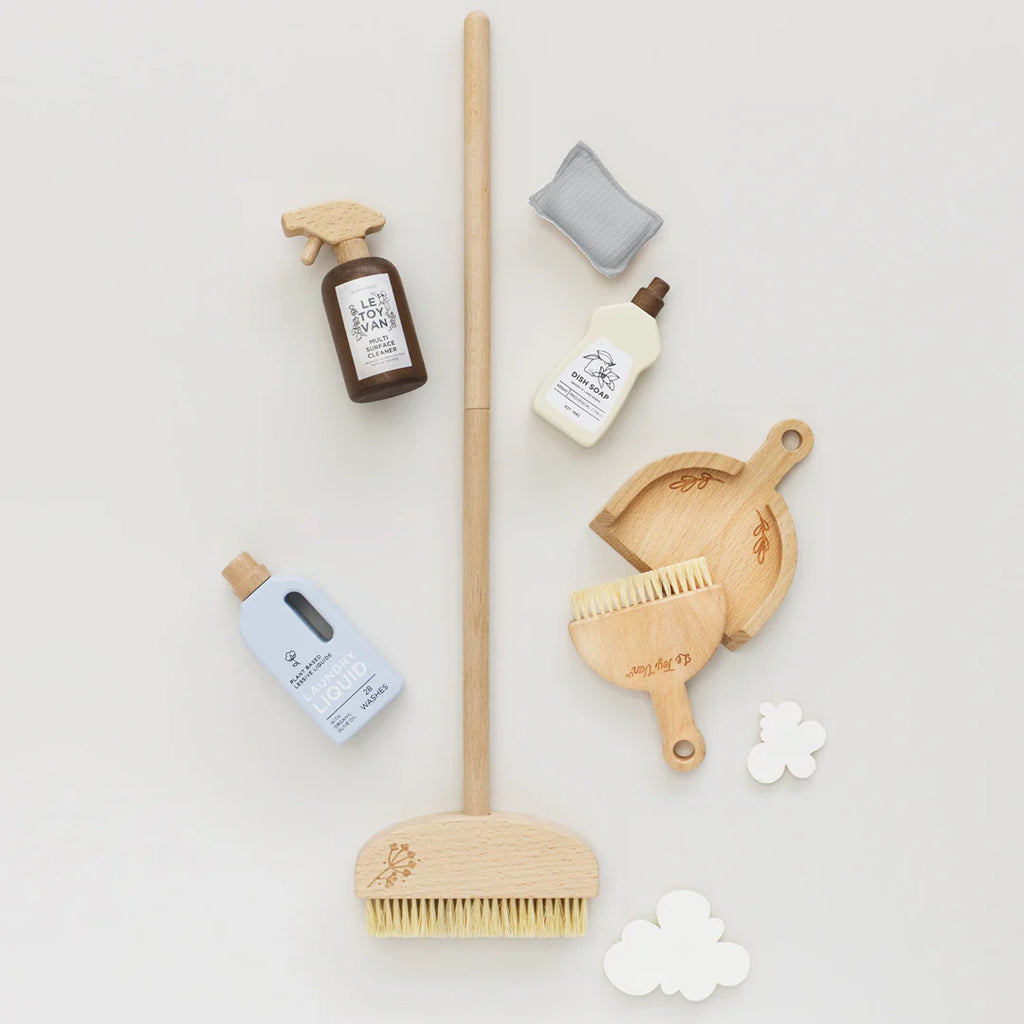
341,224
245,575
652,298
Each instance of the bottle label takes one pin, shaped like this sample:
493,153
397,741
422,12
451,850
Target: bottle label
327,666
590,387
374,328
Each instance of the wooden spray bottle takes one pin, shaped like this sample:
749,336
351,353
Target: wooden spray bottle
365,302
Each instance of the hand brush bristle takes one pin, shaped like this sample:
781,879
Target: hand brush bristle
477,918
669,581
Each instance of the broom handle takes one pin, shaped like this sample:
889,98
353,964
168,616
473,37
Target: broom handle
476,422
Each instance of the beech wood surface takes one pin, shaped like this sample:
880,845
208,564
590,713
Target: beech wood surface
342,224
476,426
453,856
658,647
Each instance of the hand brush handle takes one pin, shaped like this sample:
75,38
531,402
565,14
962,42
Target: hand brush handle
476,423
672,704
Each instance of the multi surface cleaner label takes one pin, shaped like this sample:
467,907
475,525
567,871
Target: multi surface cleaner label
374,328
591,385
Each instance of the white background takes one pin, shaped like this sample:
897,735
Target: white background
841,188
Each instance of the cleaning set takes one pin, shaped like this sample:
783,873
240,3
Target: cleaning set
713,542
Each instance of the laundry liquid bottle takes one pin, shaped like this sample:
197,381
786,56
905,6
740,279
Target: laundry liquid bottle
312,649
365,302
583,394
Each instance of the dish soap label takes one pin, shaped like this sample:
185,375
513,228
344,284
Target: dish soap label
370,315
588,389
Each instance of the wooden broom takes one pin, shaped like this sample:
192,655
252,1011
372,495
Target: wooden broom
474,872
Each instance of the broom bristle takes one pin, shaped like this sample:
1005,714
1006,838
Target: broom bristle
670,581
475,917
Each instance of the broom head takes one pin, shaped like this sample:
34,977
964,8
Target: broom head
463,876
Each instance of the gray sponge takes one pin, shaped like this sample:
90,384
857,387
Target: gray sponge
590,207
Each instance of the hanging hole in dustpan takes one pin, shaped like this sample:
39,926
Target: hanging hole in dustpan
792,440
684,750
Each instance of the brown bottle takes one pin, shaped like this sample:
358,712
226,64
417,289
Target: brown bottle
365,302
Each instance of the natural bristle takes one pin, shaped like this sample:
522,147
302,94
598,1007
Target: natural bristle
669,581
476,918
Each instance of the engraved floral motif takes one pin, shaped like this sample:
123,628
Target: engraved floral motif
688,483
761,532
399,865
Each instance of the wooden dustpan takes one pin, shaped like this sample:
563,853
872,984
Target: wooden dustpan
703,503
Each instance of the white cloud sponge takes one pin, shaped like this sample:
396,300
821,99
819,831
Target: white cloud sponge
681,953
786,742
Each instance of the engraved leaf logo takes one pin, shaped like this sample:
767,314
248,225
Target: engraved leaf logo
688,483
761,544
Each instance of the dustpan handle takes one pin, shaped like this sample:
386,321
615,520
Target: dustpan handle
476,422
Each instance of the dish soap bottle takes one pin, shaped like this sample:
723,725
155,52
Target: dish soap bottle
583,394
315,653
366,306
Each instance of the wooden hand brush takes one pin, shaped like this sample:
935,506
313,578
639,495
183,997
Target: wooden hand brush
475,872
654,632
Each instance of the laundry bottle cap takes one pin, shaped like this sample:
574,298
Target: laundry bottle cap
245,574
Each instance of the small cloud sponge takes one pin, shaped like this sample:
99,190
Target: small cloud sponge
590,207
681,953
786,742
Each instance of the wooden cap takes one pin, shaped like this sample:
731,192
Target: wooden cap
245,574
652,298
341,224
